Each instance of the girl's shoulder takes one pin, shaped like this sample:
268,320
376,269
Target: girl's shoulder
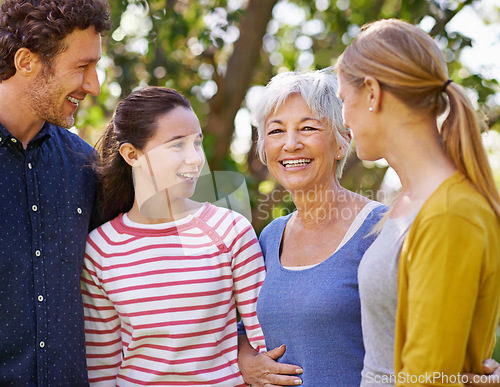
223,221
110,235
211,212
107,227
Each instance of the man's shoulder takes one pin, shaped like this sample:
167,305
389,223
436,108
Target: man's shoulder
72,140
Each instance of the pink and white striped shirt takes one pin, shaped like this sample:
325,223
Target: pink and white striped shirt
160,300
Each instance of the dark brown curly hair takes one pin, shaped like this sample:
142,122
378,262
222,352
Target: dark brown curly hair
41,25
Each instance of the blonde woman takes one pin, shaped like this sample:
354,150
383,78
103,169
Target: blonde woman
432,276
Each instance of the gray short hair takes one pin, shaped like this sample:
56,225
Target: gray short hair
319,91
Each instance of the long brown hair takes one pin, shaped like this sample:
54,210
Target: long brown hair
408,63
134,121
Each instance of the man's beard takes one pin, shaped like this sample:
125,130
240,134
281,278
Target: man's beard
46,98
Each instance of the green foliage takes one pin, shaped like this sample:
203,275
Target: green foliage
187,45
496,352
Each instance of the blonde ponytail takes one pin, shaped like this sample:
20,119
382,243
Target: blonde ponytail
408,63
461,135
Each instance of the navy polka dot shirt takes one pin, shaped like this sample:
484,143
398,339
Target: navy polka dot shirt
46,198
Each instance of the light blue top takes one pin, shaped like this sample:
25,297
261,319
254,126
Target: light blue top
316,311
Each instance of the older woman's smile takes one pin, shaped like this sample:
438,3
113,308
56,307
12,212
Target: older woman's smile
300,147
294,163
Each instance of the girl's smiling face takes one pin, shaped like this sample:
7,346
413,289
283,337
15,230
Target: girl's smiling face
172,159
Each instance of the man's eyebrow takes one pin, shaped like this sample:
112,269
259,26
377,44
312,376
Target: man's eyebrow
88,59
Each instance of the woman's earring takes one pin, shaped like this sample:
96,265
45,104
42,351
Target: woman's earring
370,109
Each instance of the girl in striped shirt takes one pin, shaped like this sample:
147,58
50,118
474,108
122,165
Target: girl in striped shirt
162,280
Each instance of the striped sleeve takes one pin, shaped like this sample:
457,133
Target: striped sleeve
102,323
248,275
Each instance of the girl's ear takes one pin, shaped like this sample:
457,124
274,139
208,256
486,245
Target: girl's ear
129,153
372,86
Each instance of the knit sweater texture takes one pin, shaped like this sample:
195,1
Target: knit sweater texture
161,300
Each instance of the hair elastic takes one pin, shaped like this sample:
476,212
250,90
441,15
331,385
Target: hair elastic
446,85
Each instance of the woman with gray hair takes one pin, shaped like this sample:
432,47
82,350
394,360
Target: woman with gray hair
309,307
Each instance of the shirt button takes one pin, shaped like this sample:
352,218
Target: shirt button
40,298
38,253
42,344
13,140
30,166
34,208
79,210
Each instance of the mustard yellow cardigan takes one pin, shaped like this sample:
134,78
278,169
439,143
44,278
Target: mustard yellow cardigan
448,288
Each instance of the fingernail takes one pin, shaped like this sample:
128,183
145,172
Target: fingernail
487,366
298,381
299,371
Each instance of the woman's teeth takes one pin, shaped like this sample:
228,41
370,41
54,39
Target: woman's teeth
187,176
295,163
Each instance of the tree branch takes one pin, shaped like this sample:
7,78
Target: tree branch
240,69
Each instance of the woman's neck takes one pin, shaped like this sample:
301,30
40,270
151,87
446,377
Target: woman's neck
422,165
177,210
320,205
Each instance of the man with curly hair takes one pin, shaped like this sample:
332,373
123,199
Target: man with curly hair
49,50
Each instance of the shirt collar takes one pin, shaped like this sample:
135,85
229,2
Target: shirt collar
4,135
45,133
